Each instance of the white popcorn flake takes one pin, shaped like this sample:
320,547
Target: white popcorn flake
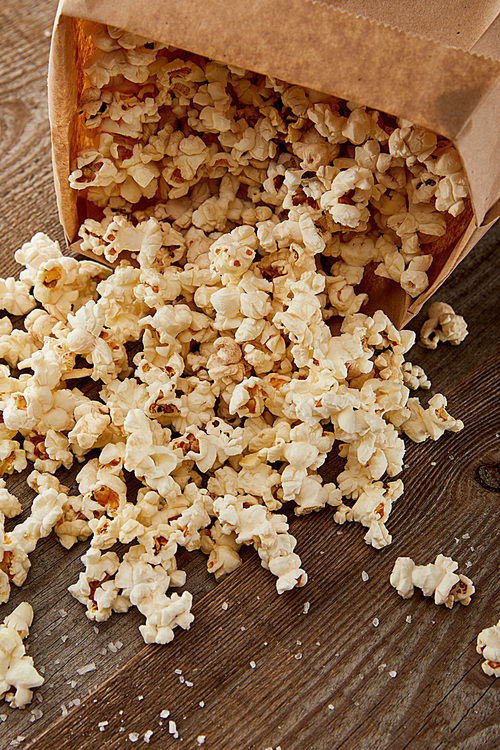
3,717
364,576
437,579
133,736
375,622
468,564
87,668
253,664
201,739
488,645
393,673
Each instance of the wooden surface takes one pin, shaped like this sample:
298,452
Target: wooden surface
333,656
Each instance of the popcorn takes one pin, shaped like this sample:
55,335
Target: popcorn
488,645
244,216
442,324
436,579
18,675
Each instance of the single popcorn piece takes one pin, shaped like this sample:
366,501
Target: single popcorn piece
442,324
18,675
436,579
488,645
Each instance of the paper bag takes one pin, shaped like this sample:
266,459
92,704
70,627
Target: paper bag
434,62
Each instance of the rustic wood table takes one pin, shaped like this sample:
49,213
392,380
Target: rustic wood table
342,663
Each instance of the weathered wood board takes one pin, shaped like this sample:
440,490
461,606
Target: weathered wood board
322,680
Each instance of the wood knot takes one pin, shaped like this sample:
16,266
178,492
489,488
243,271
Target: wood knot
488,476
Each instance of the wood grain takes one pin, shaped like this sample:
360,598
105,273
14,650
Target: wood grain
439,699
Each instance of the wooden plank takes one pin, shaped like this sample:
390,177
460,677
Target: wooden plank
439,697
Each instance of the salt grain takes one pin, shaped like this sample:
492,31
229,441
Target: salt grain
408,619
112,648
3,717
201,704
200,739
253,664
64,710
164,714
63,613
306,608
393,673
64,638
87,668
375,622
331,706
133,736
178,671
365,576
298,656
148,735
224,605
381,667
466,536
188,684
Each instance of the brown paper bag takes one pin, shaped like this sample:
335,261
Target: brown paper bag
435,63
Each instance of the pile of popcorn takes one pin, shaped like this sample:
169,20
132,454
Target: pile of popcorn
243,213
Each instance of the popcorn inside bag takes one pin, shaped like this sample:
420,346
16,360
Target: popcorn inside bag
229,343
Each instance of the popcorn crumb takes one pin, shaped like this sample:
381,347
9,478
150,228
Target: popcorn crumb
375,622
298,656
408,619
393,673
64,710
64,638
201,704
364,575
172,729
188,684
164,714
133,736
200,739
381,667
224,605
253,664
466,535
147,735
331,706
63,613
306,608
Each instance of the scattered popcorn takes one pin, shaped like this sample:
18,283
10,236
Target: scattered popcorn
488,645
243,212
17,672
436,579
442,324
